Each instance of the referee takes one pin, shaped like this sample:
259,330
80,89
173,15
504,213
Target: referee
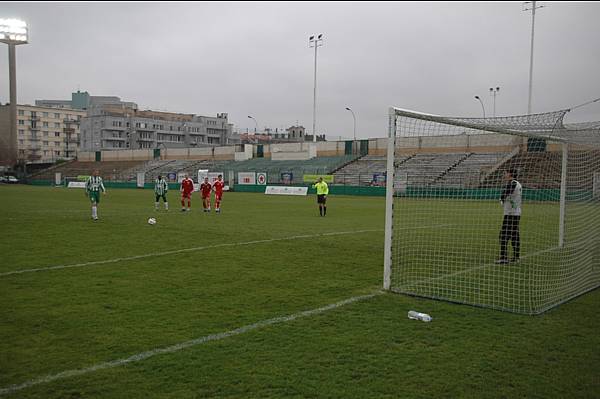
322,191
511,202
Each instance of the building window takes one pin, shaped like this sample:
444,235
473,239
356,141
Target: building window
56,134
56,124
45,134
45,124
45,152
45,143
21,112
57,153
57,144
21,132
21,142
45,114
21,122
56,116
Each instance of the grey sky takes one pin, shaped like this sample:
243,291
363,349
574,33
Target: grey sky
253,58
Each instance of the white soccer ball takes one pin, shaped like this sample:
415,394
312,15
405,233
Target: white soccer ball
152,221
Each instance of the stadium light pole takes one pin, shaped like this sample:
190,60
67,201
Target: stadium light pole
315,41
13,32
532,9
354,118
482,107
494,92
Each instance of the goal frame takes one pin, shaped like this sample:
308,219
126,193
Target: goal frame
393,114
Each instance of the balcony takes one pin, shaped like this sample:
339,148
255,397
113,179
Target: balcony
68,121
74,140
35,118
145,129
34,138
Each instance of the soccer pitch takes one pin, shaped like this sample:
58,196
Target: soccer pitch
264,300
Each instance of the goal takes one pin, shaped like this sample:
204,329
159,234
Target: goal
444,218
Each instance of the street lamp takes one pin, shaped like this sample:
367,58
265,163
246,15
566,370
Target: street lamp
315,41
256,123
255,129
354,118
494,92
482,107
13,32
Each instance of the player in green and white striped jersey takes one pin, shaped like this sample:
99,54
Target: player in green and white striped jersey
160,190
93,186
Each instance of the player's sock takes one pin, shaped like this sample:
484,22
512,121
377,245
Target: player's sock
166,206
324,210
94,212
156,206
320,211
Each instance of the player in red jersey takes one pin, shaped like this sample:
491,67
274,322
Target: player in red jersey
187,188
218,187
205,190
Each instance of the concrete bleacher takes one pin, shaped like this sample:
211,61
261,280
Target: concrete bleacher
361,171
109,170
147,167
319,165
423,170
469,172
536,170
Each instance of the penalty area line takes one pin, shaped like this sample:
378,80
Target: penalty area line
178,251
183,345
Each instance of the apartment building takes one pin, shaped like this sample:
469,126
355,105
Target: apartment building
44,134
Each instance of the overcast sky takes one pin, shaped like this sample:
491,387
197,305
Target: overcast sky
253,59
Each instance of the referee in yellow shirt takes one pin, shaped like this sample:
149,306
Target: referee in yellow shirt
322,191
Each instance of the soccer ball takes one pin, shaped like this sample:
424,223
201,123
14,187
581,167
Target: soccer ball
152,221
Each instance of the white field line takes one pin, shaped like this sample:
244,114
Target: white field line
178,251
465,271
184,345
193,249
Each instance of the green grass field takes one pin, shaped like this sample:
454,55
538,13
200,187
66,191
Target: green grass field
221,286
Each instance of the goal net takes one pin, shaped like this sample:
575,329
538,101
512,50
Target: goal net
447,236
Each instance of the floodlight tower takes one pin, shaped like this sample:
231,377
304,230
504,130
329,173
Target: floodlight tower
315,41
13,32
527,6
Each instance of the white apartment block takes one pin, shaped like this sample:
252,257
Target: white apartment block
46,134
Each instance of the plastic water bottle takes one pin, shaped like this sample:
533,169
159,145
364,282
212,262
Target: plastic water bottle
419,316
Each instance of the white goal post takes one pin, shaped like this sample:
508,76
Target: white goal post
493,212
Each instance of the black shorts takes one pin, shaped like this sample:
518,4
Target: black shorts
321,199
158,197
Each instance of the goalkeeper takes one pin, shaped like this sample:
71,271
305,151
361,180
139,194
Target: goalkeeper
511,202
322,191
